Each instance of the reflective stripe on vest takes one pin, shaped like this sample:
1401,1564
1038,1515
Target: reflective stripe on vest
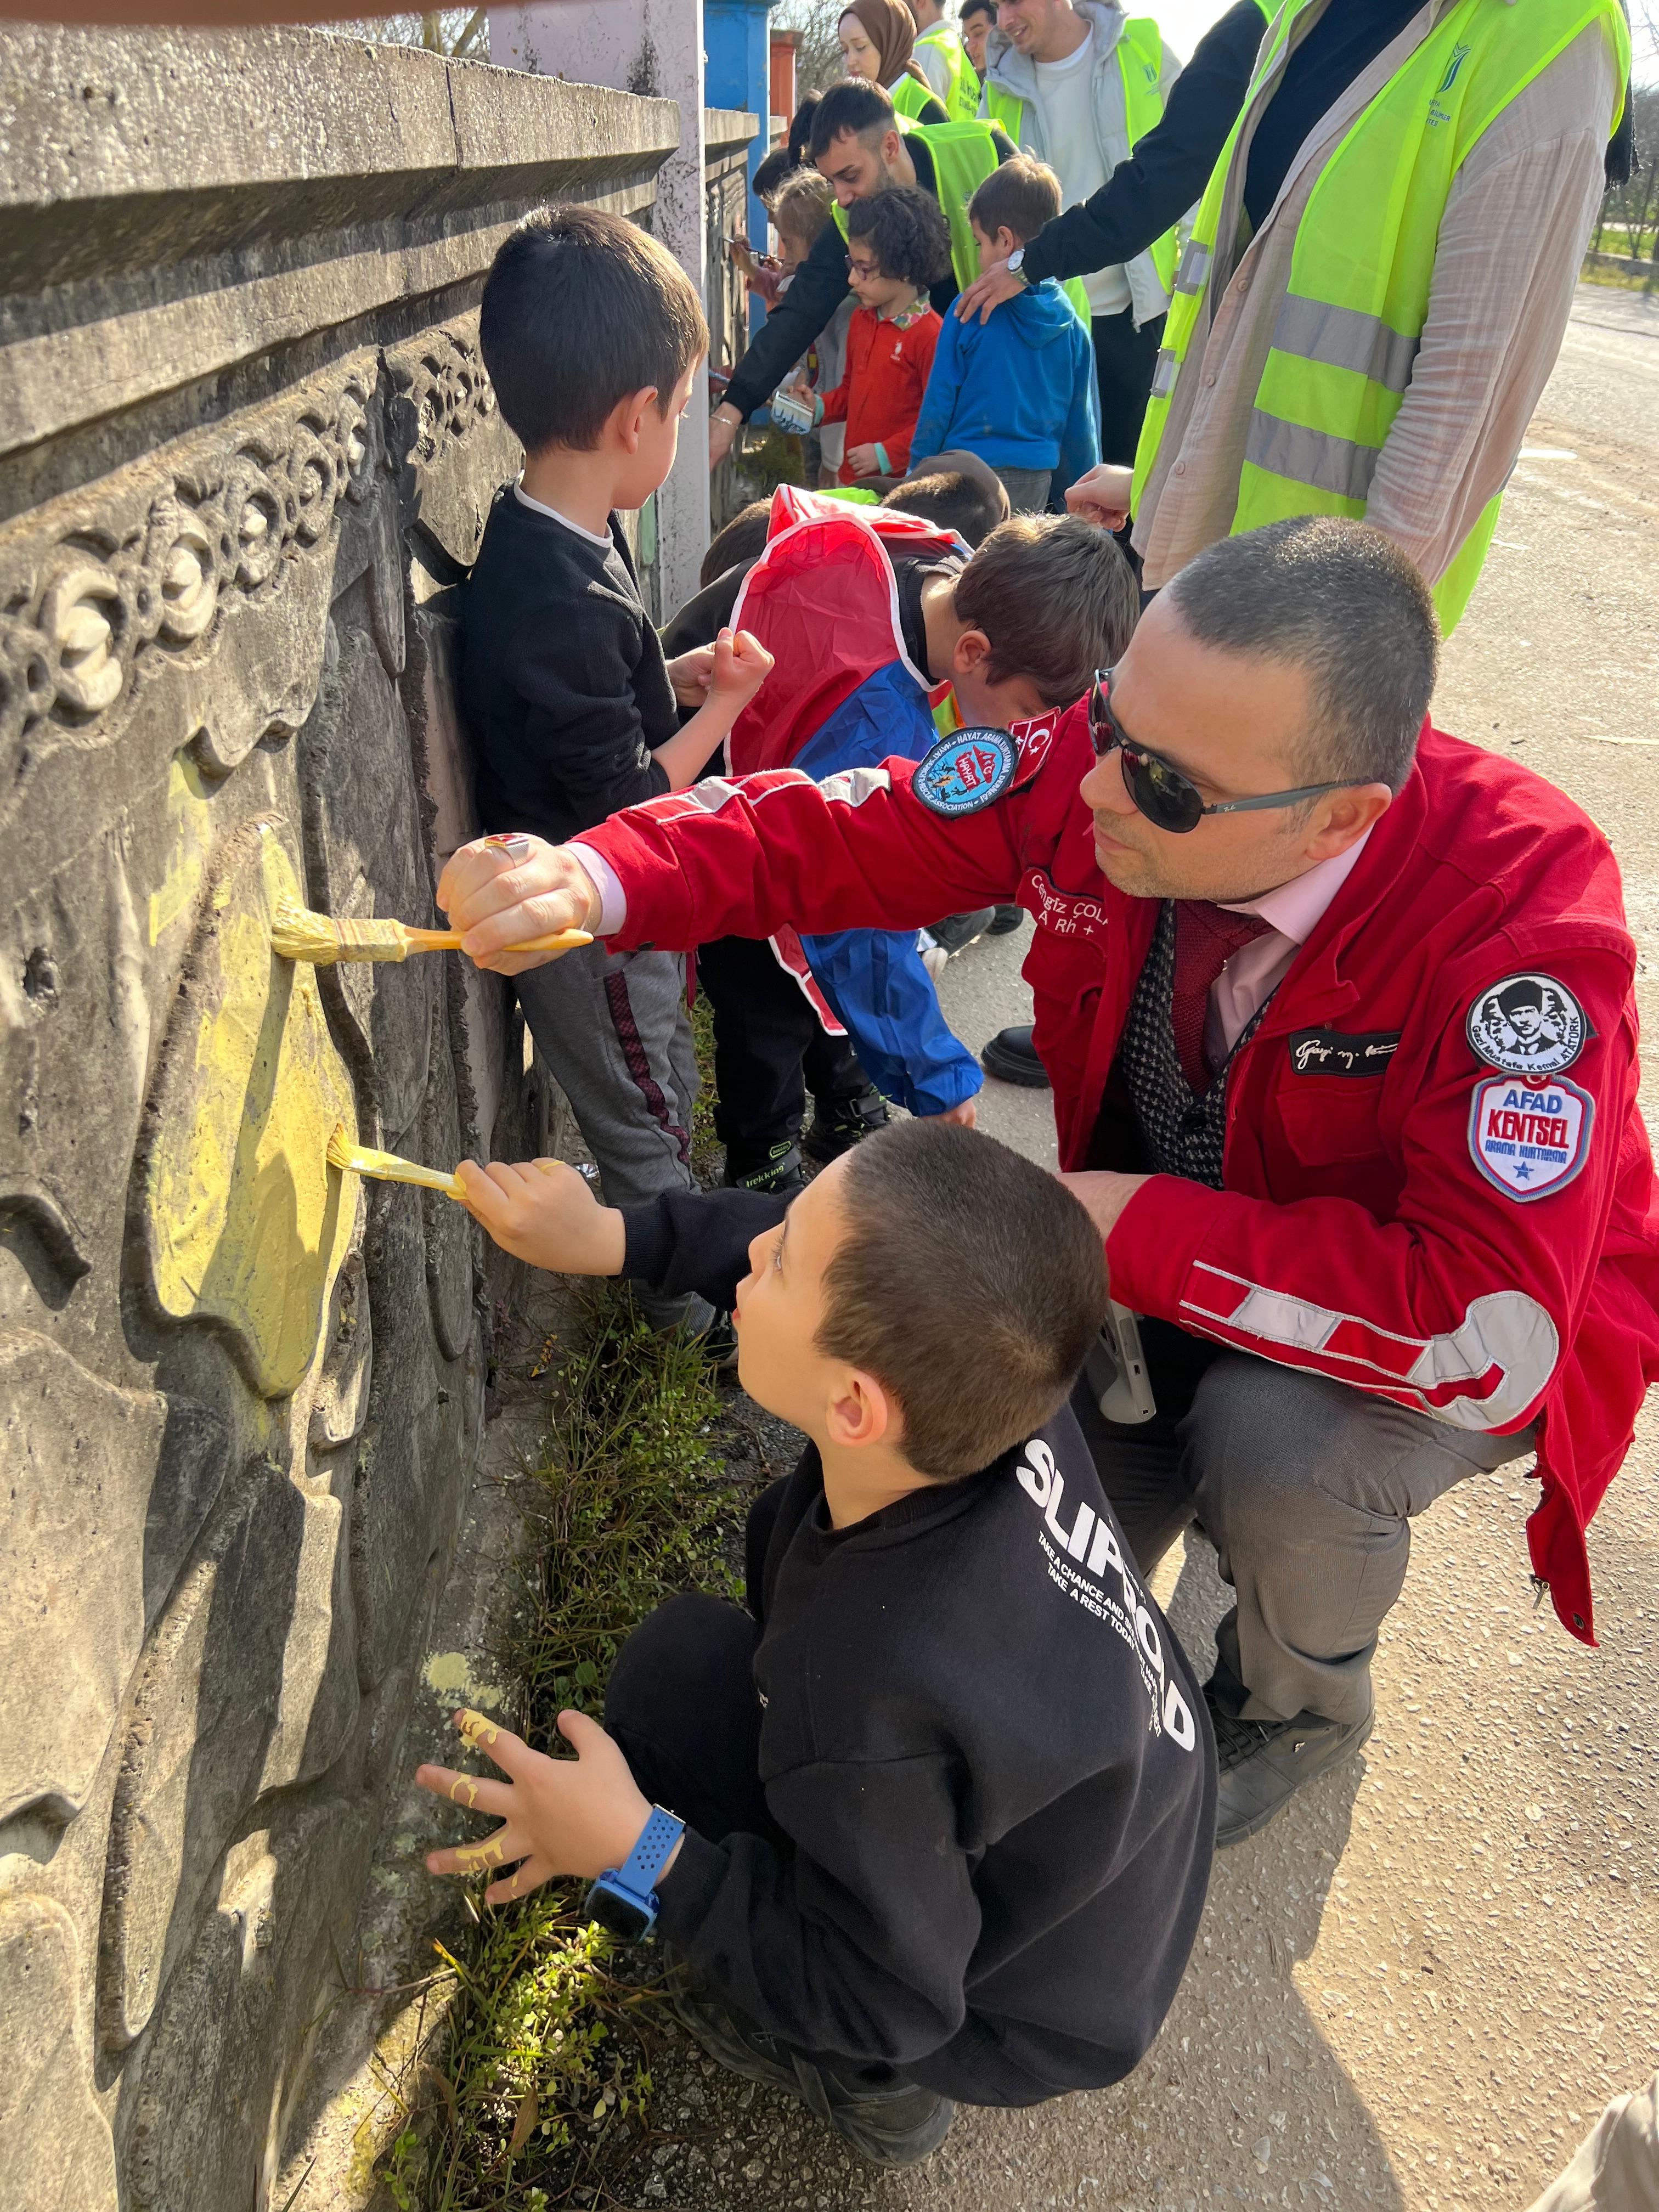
1139,63
964,154
961,95
1348,329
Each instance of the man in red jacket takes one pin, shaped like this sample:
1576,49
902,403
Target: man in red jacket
1339,1016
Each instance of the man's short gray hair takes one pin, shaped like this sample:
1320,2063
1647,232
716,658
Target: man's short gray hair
1341,600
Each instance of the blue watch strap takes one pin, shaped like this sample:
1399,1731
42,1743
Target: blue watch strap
639,1870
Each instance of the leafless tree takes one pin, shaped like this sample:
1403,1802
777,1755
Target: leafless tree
817,58
460,31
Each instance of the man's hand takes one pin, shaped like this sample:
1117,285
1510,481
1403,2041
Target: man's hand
559,1816
740,665
988,291
864,461
545,1211
1104,1195
1102,495
690,674
498,891
724,425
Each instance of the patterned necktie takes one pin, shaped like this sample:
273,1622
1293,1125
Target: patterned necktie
1206,937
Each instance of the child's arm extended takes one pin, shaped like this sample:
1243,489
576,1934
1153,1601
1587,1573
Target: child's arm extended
741,665
546,1212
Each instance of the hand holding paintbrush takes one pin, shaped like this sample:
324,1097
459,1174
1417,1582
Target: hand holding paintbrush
298,933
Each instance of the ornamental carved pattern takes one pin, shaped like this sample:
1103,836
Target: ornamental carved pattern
442,390
84,622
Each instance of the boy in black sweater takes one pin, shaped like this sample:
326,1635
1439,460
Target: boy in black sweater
947,1790
592,334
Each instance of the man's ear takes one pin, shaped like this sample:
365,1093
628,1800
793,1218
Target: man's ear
861,1413
628,416
890,144
1344,817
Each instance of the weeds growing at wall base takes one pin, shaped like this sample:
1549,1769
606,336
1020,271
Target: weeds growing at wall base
545,2077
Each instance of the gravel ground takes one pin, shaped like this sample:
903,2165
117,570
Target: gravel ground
1417,1989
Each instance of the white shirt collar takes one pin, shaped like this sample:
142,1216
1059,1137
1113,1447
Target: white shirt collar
541,507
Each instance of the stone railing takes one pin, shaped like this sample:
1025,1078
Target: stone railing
246,447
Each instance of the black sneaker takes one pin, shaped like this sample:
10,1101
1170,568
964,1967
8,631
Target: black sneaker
1264,1764
896,2125
840,1125
958,931
1008,918
779,1175
1009,1056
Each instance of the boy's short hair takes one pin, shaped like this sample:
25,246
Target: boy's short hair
742,538
955,498
774,172
1057,599
908,233
801,208
970,1282
1021,196
580,310
977,8
855,105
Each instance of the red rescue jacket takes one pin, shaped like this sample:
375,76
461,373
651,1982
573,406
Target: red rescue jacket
1357,1235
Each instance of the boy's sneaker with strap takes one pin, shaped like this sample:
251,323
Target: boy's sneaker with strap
896,2123
841,1123
778,1175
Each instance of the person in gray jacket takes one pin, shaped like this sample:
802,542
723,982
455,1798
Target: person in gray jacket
1075,83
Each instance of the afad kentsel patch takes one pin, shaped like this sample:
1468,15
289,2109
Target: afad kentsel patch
966,771
1527,1025
1529,1138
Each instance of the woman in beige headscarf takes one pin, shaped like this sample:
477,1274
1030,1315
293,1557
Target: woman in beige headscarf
877,38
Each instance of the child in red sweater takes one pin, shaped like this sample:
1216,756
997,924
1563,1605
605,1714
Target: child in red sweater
896,246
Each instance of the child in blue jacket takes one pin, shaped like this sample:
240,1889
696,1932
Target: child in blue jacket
1017,390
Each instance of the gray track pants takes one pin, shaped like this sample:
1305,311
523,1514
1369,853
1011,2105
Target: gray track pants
613,1029
1307,1489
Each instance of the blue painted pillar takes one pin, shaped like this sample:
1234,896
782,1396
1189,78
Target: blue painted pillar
736,66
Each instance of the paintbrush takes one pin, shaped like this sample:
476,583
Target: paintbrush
387,1167
298,933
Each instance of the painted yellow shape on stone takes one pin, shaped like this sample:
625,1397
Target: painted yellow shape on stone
246,1224
190,812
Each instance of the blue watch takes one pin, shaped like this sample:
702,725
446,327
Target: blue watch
624,1900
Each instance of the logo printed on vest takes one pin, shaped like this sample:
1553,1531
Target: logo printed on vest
1528,1139
966,772
1337,1052
1527,1025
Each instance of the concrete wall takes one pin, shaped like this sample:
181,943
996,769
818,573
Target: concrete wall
246,446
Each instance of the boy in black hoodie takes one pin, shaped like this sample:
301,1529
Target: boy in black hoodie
946,1790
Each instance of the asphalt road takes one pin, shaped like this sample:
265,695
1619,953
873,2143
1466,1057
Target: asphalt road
1419,1986
1417,1989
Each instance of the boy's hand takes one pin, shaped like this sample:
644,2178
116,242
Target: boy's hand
560,1816
864,460
964,1115
545,1211
741,665
724,425
1102,495
498,891
690,675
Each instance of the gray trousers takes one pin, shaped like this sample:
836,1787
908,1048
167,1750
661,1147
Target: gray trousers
613,1029
1306,1488
1027,488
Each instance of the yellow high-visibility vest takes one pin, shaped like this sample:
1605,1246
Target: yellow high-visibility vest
1349,325
964,155
961,93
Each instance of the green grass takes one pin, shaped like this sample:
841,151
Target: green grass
546,2078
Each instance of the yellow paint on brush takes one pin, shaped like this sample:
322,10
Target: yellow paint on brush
388,1167
245,1224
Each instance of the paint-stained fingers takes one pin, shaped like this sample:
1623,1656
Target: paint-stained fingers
531,1875
510,1753
503,1849
478,1793
486,1194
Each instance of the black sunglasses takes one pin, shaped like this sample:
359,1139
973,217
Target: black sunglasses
1169,799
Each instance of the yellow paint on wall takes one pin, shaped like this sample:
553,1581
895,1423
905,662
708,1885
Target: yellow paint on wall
247,1224
190,813
449,1676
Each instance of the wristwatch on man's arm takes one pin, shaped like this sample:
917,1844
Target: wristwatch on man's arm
624,1900
1015,264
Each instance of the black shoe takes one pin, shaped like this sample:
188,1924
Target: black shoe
898,2124
1265,1763
843,1123
1008,918
958,931
718,1344
1010,1058
779,1175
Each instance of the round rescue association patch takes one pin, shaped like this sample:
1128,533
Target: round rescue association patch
1527,1025
1529,1138
966,771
